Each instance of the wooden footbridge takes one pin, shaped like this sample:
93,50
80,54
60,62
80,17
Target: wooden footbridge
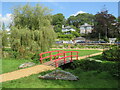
56,58
62,57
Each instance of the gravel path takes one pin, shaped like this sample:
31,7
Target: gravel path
32,70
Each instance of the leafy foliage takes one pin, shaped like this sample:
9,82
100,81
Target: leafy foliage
58,20
87,65
31,30
104,25
80,19
112,54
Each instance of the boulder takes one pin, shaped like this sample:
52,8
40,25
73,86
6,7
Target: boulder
27,64
59,74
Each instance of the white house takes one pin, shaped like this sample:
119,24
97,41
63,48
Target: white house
67,28
112,40
86,28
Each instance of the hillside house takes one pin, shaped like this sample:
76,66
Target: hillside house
86,28
67,29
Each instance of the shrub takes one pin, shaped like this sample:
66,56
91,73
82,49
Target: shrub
36,57
87,65
111,68
65,45
14,54
112,54
60,46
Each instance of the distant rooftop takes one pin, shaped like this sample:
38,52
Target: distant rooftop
86,24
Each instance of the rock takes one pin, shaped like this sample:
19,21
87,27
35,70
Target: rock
59,74
91,59
26,64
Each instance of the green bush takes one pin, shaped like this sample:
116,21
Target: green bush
60,46
14,54
111,68
65,45
72,46
36,57
112,54
87,65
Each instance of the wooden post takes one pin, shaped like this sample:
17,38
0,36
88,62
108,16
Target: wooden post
54,57
58,53
77,56
56,64
50,56
71,57
41,59
64,58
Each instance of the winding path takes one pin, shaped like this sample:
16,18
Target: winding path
33,70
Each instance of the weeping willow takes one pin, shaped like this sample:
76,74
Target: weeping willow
31,30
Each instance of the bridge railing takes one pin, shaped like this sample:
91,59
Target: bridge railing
50,54
64,54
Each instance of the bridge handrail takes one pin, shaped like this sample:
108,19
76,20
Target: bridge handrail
64,57
51,56
58,54
51,52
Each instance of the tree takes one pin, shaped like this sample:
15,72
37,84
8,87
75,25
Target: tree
31,30
80,19
4,36
58,20
118,29
104,24
76,34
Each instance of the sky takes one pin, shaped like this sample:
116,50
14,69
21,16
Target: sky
67,8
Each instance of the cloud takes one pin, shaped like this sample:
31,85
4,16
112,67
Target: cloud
79,12
7,19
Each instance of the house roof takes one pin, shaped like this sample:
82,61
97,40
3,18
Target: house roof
67,27
79,38
86,24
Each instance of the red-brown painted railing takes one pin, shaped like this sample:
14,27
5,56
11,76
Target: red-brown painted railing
59,54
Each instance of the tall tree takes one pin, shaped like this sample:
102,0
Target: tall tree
58,20
4,36
80,19
104,24
31,29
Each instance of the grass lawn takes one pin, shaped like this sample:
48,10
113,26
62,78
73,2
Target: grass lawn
89,79
81,52
9,65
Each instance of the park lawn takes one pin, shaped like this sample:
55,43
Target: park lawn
81,52
9,65
88,79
